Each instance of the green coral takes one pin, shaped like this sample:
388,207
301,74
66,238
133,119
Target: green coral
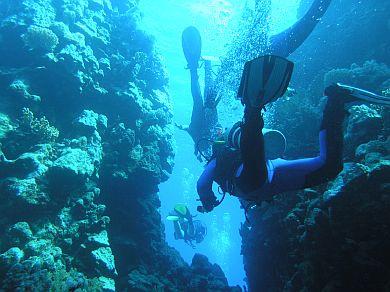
40,38
40,128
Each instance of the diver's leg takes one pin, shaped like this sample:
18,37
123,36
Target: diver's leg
254,171
332,138
331,142
179,233
289,175
197,109
195,89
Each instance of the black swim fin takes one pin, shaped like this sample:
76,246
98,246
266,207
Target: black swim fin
264,80
192,46
364,95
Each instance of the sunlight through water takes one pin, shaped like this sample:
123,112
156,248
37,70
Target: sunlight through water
217,21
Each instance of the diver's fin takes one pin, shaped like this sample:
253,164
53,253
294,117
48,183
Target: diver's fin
264,80
192,46
365,95
182,210
173,218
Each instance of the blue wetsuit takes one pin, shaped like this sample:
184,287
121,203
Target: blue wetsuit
282,175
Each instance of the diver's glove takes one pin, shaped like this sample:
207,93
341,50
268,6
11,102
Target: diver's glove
208,203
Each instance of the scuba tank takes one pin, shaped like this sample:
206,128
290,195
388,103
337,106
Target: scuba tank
275,143
274,140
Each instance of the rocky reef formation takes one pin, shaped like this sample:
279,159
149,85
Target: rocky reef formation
334,237
86,137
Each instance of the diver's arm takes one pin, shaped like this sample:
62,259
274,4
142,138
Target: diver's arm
286,42
205,187
197,116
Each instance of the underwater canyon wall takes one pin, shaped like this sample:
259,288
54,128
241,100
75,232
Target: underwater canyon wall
86,137
335,237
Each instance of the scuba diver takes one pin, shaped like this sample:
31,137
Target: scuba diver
239,164
204,126
185,227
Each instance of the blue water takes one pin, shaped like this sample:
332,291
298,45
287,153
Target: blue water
216,21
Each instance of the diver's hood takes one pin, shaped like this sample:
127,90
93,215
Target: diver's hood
264,80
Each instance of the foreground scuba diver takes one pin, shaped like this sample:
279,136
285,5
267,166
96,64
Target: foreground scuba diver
204,124
240,166
185,227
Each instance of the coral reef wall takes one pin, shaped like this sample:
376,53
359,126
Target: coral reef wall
334,237
86,137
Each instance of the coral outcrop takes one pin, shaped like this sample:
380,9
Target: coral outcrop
86,137
40,38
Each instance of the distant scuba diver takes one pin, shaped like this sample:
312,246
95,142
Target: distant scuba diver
185,227
204,120
240,166
204,125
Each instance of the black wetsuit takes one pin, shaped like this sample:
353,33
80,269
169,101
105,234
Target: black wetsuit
204,116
